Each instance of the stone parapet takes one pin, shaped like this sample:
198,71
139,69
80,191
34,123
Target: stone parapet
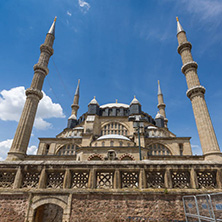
154,175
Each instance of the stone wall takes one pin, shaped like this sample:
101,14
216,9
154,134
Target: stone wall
126,207
13,207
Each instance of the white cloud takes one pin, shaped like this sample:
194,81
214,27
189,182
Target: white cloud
5,147
196,149
69,13
84,6
13,100
207,10
32,150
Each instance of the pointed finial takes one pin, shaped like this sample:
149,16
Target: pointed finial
77,89
93,101
159,89
179,27
52,28
135,101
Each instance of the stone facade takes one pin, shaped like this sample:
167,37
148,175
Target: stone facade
113,163
13,207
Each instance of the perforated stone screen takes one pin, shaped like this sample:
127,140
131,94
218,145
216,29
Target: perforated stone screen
7,179
130,179
80,179
104,180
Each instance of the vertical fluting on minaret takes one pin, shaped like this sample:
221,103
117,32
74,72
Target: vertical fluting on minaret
75,105
72,121
33,96
196,93
161,105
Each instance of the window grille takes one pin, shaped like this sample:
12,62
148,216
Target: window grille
158,150
206,179
155,179
31,179
55,180
180,179
7,179
104,180
80,180
68,149
130,179
114,128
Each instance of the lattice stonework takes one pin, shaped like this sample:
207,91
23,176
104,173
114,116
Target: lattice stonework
80,180
7,179
104,180
55,180
31,179
155,179
180,179
130,179
206,179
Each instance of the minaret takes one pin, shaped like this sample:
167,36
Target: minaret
196,93
161,105
33,96
75,106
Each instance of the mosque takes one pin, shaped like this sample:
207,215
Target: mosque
113,162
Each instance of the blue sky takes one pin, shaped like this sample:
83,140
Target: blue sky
118,48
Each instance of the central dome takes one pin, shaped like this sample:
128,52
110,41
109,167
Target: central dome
117,105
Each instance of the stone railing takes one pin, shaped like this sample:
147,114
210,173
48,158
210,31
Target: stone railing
111,175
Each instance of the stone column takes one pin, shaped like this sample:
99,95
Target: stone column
117,179
42,179
142,179
196,93
92,179
18,179
219,178
168,179
193,179
67,179
33,96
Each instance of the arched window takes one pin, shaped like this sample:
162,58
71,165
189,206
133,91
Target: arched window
114,128
158,150
95,157
68,149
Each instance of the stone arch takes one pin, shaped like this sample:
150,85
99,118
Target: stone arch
94,156
46,200
163,147
39,203
114,127
126,156
48,212
63,146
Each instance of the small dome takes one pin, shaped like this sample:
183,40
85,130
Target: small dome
94,101
135,101
151,127
113,136
117,105
159,116
73,117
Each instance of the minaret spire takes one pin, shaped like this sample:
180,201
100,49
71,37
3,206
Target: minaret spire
52,28
72,121
161,105
179,27
33,96
196,93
